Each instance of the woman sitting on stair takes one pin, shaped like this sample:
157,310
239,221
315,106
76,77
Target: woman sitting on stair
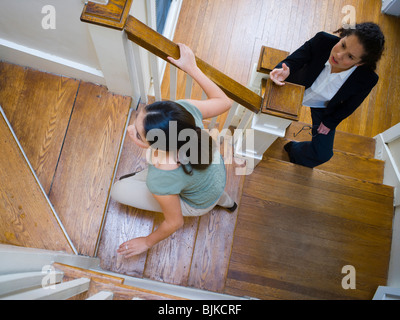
186,175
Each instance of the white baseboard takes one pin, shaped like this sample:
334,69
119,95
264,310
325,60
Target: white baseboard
28,57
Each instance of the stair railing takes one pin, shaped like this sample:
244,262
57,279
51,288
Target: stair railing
115,15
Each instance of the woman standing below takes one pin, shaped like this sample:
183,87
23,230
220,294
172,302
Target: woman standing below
186,175
338,73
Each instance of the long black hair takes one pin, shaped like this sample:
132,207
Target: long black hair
176,127
372,39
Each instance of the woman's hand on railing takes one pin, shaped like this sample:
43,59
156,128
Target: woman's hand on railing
279,75
187,60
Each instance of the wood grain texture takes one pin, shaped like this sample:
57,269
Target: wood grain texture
85,170
282,101
112,15
269,58
343,163
38,106
196,255
345,142
215,238
122,222
26,217
298,227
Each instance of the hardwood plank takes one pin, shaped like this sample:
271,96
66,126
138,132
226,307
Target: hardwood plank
38,106
287,249
346,142
26,216
83,177
170,260
122,222
212,253
341,163
297,186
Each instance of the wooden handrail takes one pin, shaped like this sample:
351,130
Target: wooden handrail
116,15
154,42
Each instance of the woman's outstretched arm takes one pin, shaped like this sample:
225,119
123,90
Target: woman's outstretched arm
217,102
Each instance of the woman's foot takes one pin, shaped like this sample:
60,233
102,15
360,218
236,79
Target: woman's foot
233,208
288,149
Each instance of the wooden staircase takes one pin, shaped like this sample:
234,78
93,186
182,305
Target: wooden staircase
295,228
353,154
298,227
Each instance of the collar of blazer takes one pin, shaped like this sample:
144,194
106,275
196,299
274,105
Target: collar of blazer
363,79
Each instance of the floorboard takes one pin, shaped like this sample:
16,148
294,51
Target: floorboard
26,218
87,163
297,230
38,106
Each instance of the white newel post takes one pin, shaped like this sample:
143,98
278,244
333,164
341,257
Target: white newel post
114,53
256,132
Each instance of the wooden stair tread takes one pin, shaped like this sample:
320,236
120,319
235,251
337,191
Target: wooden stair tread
342,163
83,178
298,227
181,259
319,177
38,106
26,218
347,142
308,188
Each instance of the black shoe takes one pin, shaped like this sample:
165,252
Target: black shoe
233,208
288,149
127,176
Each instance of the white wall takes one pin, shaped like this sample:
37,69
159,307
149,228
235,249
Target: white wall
67,49
388,150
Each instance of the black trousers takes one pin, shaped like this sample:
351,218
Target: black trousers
317,151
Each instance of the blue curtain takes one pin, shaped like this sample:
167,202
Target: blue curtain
162,7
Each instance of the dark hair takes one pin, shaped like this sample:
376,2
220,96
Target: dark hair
372,39
176,122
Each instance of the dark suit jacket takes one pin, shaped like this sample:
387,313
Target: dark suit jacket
307,62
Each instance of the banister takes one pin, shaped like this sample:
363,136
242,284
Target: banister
115,14
157,44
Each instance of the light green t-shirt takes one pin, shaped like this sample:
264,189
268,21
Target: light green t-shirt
200,190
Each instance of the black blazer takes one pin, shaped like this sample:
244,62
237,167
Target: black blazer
307,62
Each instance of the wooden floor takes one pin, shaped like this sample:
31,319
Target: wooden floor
296,228
26,217
71,132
